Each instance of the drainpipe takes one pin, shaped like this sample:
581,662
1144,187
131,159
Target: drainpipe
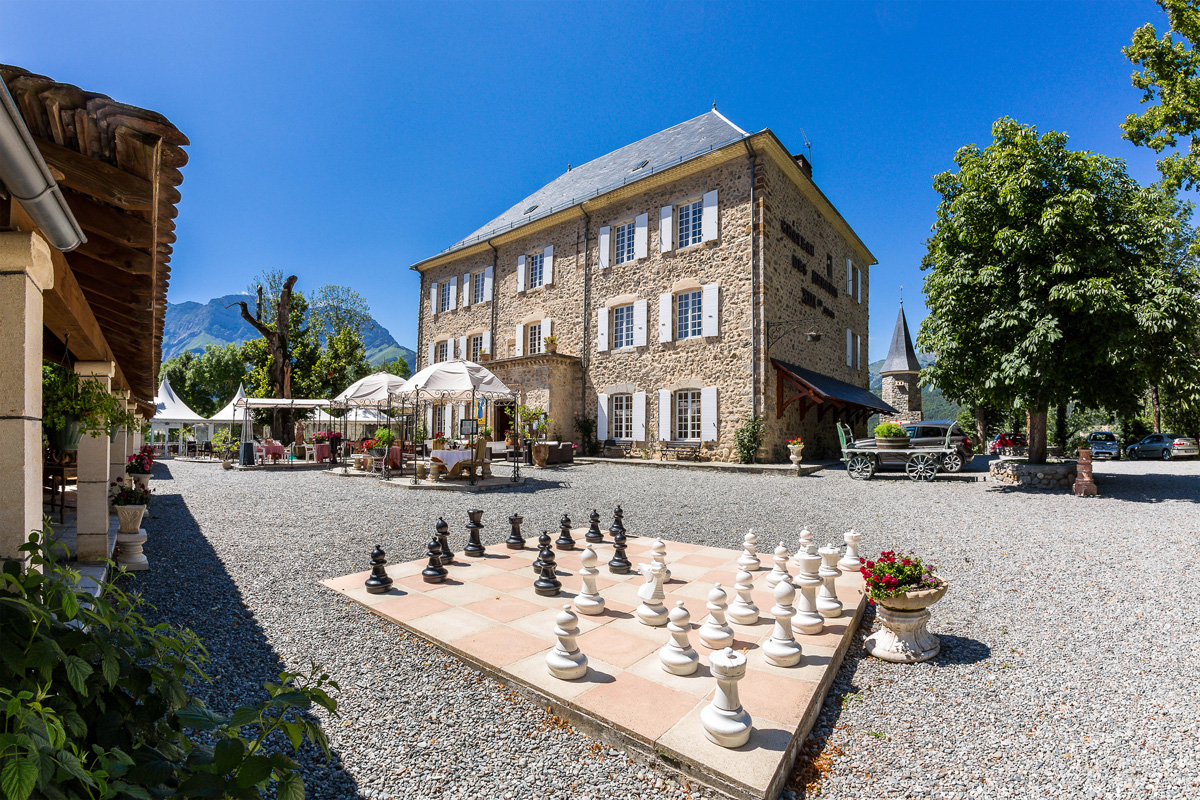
420,299
587,316
754,313
495,284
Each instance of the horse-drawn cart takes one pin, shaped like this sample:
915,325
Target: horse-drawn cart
921,463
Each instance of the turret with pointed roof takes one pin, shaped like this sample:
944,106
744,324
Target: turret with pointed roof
901,357
900,372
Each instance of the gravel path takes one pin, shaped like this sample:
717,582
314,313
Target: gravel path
1069,641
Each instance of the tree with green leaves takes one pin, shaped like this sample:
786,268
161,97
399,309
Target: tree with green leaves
397,366
206,381
342,361
1052,276
334,309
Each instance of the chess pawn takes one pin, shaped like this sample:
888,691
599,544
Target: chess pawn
589,601
678,656
543,542
594,535
564,541
618,524
780,571
715,632
619,564
515,540
443,534
806,539
652,612
743,611
781,649
380,581
827,600
658,551
474,547
807,620
547,584
851,562
434,572
565,661
725,721
749,558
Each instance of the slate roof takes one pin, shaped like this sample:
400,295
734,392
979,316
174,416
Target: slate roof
901,357
659,151
839,390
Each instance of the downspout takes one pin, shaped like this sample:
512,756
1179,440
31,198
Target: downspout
420,299
754,281
587,294
28,179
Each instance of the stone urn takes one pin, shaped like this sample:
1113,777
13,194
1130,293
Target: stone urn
130,518
226,464
140,479
794,451
902,636
541,452
891,442
551,347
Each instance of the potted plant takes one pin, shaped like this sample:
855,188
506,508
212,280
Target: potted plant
551,342
510,438
484,355
72,406
130,502
140,466
890,436
904,587
439,441
384,439
486,432
795,447
222,443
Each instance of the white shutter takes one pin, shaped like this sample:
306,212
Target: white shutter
639,416
849,345
708,413
665,309
849,277
710,309
520,351
858,286
857,351
462,414
548,265
602,330
453,289
639,323
487,341
640,235
604,247
466,290
462,347
520,273
664,415
666,229
429,361
602,417
487,284
547,330
429,431
433,298
708,221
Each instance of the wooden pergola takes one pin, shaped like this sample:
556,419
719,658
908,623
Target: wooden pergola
845,401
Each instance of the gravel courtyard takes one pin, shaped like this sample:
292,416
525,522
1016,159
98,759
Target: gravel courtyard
1069,655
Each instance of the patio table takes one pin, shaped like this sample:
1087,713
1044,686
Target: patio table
323,452
452,457
274,451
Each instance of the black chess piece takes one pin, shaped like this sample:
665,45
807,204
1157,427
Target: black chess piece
564,541
542,543
619,564
474,548
434,572
380,581
547,584
594,535
443,534
515,540
618,522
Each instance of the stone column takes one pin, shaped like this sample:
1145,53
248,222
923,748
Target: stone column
119,446
91,519
25,272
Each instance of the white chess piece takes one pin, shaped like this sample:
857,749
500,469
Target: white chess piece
652,611
678,656
781,649
851,562
780,571
807,620
715,632
806,541
589,601
725,721
743,611
658,551
827,600
749,557
565,661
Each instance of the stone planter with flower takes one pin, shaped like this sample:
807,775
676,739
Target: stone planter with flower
795,449
140,466
904,588
551,343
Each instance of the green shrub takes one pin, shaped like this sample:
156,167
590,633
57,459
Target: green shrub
748,438
96,701
384,437
888,430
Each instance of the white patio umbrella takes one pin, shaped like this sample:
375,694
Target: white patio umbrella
455,381
372,390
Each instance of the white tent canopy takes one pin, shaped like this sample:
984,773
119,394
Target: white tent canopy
454,381
278,402
371,390
229,414
354,415
172,410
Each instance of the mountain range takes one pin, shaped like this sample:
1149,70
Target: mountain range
192,326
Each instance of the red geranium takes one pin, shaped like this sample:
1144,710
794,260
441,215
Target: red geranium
888,576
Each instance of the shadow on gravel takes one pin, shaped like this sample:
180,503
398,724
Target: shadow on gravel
957,650
1154,488
162,472
188,586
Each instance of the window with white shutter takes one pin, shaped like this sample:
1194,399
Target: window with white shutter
857,285
602,417
687,415
709,217
548,265
487,284
664,415
535,266
857,351
466,289
708,414
639,416
666,229
622,416
664,317
689,314
520,273
711,309
623,245
604,247
520,345
849,277
601,330
690,216
640,322
442,353
474,348
534,338
622,326
429,356
433,298
462,347
641,235
849,348
444,296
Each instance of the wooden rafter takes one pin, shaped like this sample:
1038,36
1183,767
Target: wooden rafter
100,180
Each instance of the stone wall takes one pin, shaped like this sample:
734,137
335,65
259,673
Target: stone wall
1034,476
902,391
549,381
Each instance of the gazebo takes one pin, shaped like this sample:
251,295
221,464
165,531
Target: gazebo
172,413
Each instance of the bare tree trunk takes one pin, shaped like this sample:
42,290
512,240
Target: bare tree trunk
1037,434
981,428
278,345
1155,409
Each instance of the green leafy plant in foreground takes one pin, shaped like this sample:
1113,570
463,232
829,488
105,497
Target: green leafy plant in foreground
96,700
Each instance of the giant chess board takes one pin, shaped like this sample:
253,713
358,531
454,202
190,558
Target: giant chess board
488,614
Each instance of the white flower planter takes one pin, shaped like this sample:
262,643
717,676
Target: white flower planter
139,479
130,518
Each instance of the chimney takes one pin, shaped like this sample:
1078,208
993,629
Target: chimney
804,164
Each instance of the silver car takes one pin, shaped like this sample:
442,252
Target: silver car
1165,446
1104,444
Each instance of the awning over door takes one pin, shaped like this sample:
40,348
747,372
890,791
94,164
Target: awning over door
813,390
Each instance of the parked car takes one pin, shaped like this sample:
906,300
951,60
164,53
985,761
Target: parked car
1165,446
931,434
1003,440
1104,443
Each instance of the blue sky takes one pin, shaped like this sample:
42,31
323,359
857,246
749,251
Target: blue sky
344,142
